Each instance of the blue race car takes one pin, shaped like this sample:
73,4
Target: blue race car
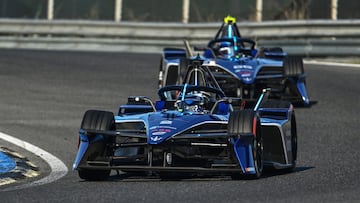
192,129
240,69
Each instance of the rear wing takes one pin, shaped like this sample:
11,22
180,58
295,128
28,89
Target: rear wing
174,53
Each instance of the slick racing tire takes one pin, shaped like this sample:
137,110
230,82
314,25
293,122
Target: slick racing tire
245,122
96,120
172,76
293,66
161,73
183,65
176,75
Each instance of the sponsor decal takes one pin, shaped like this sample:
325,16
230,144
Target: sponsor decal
242,67
244,73
166,122
156,138
162,127
158,133
247,79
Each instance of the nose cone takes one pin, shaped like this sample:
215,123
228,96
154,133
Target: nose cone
164,125
172,124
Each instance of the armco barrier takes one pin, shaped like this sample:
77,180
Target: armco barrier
307,38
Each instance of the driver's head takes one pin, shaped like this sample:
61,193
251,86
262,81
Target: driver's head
191,102
226,50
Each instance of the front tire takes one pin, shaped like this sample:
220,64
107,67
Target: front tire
294,71
96,120
245,122
161,73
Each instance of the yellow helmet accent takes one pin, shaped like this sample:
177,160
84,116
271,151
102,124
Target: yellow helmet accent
229,19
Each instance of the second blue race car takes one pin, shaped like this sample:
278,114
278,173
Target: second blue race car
240,69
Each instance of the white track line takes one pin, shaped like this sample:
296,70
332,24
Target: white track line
58,168
331,63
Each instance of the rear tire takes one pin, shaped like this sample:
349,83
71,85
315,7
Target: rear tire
183,66
161,73
294,71
172,76
96,120
243,122
293,66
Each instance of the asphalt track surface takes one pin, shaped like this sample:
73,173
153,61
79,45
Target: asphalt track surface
44,95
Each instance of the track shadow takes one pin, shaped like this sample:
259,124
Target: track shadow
148,177
269,172
301,105
129,175
143,176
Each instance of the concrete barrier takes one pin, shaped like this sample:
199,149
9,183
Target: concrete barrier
307,38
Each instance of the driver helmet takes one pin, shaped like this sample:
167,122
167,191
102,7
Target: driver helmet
192,102
226,50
